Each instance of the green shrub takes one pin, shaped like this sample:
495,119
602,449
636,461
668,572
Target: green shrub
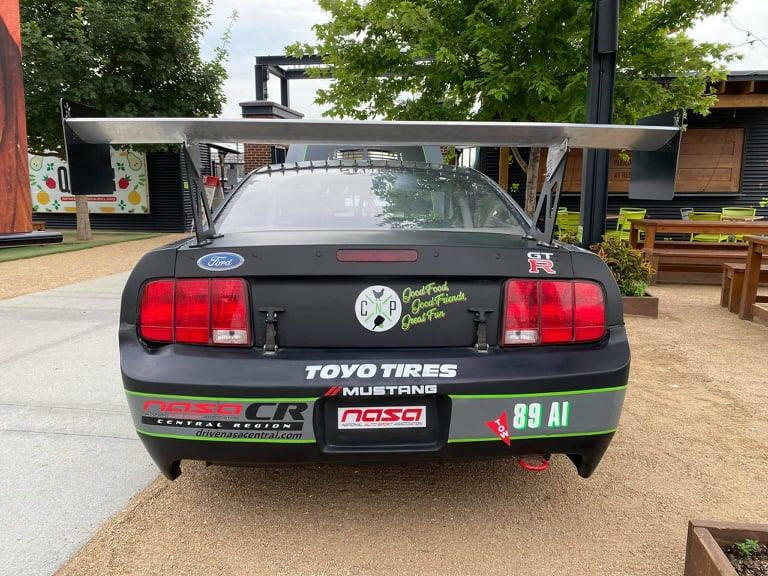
569,237
629,267
748,547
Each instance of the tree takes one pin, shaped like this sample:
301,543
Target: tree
521,60
128,58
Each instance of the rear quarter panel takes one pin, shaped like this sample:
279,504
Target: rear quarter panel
588,266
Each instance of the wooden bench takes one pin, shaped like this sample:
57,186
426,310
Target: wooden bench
751,307
687,245
695,262
733,285
693,265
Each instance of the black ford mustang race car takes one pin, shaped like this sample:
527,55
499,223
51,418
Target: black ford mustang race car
370,312
365,306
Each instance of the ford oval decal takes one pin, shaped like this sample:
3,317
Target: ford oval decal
220,261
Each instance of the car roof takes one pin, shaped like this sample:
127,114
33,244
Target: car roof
289,167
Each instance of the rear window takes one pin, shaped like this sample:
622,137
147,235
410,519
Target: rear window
369,199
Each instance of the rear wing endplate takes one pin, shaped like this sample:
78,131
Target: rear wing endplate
557,137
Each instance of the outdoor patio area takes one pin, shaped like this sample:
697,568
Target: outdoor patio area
692,443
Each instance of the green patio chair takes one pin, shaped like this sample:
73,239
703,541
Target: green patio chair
738,212
624,223
711,217
568,222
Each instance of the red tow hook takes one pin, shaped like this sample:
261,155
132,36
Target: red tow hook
534,463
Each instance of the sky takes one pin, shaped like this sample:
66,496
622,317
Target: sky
266,27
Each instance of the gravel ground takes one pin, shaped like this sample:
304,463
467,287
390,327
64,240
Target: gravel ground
693,443
45,272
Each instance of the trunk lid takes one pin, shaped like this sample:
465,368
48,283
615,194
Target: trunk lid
327,303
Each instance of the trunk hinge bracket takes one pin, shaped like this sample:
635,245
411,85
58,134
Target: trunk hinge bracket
270,336
481,344
549,199
202,213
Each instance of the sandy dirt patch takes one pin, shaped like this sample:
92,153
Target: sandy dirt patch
693,443
25,276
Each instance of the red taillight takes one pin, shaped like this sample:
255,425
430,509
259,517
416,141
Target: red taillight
192,311
195,311
556,312
589,315
229,312
521,320
552,312
156,311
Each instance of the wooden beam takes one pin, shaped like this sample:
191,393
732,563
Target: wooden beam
15,198
504,168
746,87
742,101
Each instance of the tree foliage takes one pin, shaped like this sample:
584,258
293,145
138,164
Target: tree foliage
127,58
524,60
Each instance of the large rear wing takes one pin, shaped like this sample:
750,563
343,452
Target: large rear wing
654,146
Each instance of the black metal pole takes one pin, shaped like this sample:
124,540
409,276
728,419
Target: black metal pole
602,73
262,78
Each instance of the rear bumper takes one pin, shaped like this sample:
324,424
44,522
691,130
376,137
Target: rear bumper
167,453
241,407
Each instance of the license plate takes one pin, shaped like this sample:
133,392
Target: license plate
377,417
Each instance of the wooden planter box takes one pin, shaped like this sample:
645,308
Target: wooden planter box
704,554
647,305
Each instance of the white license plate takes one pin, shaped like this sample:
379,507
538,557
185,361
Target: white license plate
373,417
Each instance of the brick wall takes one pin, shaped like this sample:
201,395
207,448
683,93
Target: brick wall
256,156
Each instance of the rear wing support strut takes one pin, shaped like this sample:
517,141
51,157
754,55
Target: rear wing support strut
549,199
205,229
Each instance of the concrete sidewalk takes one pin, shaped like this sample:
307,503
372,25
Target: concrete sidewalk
70,457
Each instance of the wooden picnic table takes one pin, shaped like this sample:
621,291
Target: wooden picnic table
695,263
653,227
757,247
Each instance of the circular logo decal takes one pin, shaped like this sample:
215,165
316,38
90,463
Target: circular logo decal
220,261
378,308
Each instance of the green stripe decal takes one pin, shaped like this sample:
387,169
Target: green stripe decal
222,399
496,438
207,439
536,394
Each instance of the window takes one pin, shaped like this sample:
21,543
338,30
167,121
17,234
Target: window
360,154
369,199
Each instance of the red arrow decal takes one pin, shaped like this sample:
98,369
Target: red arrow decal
500,428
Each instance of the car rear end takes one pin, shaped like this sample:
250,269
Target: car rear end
409,319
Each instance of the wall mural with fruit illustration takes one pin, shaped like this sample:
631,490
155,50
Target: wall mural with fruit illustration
49,185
